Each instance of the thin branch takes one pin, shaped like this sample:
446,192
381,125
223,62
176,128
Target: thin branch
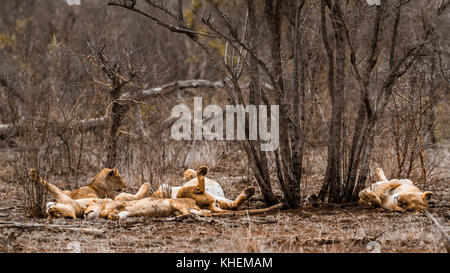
161,23
12,130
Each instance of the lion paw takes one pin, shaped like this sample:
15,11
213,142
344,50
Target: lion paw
32,174
369,197
113,216
205,212
202,170
249,191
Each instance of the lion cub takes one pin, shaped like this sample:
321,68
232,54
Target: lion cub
206,192
124,205
106,184
72,203
395,194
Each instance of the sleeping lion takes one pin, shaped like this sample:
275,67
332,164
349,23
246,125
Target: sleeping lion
133,204
207,192
396,194
191,199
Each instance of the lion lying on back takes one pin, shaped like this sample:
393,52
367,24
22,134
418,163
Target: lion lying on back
197,184
395,194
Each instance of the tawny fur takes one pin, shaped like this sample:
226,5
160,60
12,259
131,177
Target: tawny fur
124,205
395,194
106,184
68,206
207,193
191,199
146,207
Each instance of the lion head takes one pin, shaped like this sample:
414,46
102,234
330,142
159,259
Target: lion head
414,201
109,179
189,174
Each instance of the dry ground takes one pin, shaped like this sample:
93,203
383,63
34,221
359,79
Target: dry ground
348,229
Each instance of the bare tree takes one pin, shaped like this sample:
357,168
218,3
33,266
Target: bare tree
119,73
374,99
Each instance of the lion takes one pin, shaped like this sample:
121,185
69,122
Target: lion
207,192
124,205
145,207
396,194
72,203
106,184
191,199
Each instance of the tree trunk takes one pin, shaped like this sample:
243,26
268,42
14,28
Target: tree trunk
117,114
333,179
355,152
298,141
288,177
256,156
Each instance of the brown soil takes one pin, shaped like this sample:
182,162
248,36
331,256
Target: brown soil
340,229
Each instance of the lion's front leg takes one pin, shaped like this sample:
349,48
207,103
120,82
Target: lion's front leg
380,175
92,210
119,215
111,207
397,208
369,197
143,190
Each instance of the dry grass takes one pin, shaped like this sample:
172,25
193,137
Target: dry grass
301,231
349,229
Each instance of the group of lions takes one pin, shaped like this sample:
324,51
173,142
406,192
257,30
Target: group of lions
101,198
199,195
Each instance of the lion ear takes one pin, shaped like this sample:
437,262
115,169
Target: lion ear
427,195
111,173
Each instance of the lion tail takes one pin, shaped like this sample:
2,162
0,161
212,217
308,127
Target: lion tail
250,211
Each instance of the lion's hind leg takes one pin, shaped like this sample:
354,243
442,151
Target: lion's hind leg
243,196
58,193
380,174
65,206
226,204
